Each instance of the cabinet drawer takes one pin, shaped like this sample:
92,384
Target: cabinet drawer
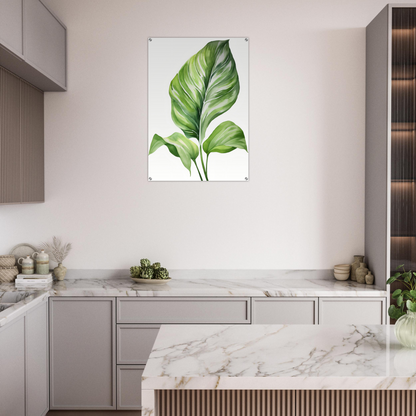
129,387
285,311
183,310
135,342
354,311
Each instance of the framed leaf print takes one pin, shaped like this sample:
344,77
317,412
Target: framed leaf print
198,109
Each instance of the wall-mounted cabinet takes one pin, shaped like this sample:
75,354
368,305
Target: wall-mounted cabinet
390,235
21,141
33,43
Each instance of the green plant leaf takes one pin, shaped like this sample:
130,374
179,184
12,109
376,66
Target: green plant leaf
411,305
225,138
407,277
392,279
406,294
395,312
396,293
178,145
400,300
205,87
399,267
413,294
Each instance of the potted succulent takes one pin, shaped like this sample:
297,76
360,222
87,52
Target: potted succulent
149,271
405,309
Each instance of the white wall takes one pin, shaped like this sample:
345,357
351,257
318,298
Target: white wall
304,205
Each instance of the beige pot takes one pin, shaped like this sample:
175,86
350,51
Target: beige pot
59,272
355,265
361,272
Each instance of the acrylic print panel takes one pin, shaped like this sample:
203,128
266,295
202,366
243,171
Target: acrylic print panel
198,109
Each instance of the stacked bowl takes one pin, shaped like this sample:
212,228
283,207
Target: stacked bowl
342,271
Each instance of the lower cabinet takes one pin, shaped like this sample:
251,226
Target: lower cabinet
357,311
284,310
12,365
82,353
129,387
24,380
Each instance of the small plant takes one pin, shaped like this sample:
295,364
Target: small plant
405,299
57,250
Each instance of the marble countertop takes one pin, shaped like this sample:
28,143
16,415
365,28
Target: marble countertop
22,302
264,287
349,357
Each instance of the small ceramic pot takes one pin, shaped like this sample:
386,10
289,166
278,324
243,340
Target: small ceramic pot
59,272
28,265
42,262
369,278
361,272
355,265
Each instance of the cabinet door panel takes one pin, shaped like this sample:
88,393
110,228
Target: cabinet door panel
37,368
32,142
82,345
135,342
12,365
285,311
10,177
184,310
44,41
129,387
11,25
355,311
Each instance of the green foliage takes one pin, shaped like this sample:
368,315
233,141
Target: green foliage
147,271
145,262
405,298
205,87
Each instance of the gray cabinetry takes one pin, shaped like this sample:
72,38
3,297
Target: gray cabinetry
184,310
11,25
37,365
82,353
129,387
356,311
44,41
21,141
12,365
33,43
135,342
285,311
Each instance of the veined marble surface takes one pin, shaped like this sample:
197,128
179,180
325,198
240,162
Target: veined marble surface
271,287
22,301
350,357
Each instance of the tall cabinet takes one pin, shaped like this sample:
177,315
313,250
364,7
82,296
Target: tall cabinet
390,217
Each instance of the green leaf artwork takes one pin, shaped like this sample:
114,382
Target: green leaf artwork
205,87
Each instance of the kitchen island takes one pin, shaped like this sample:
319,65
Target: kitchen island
279,370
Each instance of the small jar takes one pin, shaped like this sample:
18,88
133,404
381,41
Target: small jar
42,262
28,265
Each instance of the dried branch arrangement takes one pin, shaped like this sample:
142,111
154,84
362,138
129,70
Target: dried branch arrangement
57,250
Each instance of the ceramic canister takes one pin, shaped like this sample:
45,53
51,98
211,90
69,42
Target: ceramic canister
28,265
42,262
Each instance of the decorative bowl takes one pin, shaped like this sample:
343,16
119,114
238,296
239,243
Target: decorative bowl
341,275
151,281
344,267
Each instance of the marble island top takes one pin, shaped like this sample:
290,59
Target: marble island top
264,287
281,357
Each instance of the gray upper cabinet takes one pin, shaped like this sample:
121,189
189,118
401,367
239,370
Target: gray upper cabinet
11,26
21,141
82,353
44,41
33,43
37,361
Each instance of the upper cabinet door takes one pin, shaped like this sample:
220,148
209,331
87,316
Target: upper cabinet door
44,41
11,25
